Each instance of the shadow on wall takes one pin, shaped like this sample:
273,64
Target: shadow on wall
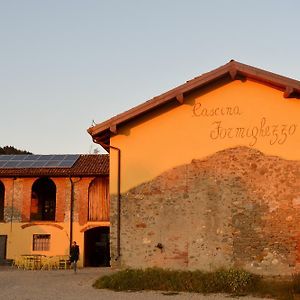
236,207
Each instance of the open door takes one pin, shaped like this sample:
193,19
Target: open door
96,247
3,240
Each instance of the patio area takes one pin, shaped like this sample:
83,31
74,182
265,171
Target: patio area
41,262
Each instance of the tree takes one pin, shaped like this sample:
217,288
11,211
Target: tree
12,150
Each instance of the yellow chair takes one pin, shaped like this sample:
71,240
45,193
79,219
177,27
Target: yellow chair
29,262
37,262
63,262
46,263
19,262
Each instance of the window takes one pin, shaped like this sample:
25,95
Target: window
43,200
41,242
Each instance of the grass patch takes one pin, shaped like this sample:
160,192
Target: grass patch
231,281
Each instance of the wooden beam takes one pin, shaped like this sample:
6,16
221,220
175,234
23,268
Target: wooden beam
233,73
113,129
180,98
288,92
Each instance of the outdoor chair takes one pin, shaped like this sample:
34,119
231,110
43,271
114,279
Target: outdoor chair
63,262
48,263
29,262
19,262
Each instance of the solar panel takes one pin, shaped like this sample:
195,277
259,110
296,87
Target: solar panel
52,163
45,157
67,163
58,157
25,164
38,164
38,161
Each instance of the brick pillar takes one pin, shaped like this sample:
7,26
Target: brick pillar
26,197
62,186
82,199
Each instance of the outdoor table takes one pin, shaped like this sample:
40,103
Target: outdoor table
41,262
32,261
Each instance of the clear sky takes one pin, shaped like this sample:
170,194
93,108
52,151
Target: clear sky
64,63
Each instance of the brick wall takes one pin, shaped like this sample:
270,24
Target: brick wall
17,200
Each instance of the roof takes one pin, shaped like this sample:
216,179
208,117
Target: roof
233,70
86,165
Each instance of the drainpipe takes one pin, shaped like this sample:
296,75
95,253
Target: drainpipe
71,212
105,146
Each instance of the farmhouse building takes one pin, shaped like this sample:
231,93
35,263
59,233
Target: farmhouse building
46,201
207,175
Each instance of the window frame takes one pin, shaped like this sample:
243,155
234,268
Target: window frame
41,242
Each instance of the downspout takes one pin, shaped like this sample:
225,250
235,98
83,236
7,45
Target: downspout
71,212
105,146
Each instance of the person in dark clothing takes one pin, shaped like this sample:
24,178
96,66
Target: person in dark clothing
74,255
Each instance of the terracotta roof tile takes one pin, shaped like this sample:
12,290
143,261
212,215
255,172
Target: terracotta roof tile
86,165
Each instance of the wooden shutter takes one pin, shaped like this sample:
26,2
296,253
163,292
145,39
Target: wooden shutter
99,200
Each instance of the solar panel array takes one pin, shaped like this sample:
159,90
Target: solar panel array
37,161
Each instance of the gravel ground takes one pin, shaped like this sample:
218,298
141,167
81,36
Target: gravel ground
64,284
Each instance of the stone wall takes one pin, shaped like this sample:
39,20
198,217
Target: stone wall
238,207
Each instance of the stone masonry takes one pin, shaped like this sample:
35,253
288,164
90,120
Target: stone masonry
236,208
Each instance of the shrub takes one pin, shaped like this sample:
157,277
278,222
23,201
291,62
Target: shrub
228,281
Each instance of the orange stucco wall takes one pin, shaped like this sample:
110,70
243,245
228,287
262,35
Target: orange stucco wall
215,181
235,114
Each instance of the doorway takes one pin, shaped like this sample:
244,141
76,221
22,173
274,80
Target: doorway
3,240
96,247
2,194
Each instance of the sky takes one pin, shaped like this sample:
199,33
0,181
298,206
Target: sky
67,63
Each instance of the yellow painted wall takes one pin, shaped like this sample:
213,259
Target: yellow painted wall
160,141
20,239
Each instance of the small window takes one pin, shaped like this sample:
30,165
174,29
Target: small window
41,242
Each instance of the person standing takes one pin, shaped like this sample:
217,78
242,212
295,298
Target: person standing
74,255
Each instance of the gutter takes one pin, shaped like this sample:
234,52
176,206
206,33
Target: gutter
105,146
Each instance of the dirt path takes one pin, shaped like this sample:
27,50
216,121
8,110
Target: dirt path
65,285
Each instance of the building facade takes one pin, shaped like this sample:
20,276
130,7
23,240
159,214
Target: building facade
207,175
42,209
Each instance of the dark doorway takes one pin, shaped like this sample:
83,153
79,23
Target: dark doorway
3,239
2,193
96,247
43,200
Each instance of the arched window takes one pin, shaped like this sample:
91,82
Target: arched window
43,200
98,200
2,195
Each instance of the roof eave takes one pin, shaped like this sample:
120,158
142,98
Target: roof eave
291,88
